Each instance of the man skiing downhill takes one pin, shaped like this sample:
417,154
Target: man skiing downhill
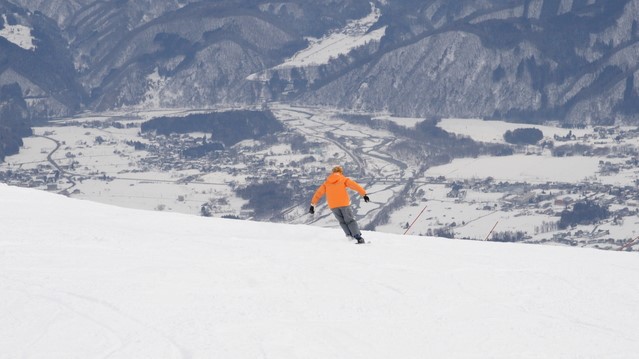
339,201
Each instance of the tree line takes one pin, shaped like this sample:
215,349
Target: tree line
14,120
228,127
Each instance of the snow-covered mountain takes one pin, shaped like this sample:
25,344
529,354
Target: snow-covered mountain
530,60
85,280
34,55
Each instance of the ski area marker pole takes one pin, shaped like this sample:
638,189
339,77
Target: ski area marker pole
629,244
491,231
416,218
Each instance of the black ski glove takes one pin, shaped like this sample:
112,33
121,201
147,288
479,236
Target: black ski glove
366,199
311,210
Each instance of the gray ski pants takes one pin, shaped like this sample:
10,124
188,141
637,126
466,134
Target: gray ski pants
347,220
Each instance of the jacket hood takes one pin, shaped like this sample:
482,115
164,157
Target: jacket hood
334,178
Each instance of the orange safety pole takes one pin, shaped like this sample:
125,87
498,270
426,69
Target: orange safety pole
491,231
411,225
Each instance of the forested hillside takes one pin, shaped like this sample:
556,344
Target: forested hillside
14,124
519,60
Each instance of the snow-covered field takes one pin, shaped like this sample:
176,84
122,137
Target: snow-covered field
88,280
479,210
532,169
539,167
17,34
493,131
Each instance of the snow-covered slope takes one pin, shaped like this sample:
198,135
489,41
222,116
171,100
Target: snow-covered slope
17,34
86,280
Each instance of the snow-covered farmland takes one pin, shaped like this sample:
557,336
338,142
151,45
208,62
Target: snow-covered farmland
524,192
107,169
493,131
519,167
466,198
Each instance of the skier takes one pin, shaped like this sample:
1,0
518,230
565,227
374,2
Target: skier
339,202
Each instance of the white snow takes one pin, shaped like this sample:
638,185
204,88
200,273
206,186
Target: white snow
17,34
321,51
80,279
155,84
354,34
493,131
402,121
524,168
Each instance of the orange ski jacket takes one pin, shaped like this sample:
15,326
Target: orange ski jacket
335,189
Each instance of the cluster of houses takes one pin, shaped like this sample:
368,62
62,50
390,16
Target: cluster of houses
253,164
552,199
42,176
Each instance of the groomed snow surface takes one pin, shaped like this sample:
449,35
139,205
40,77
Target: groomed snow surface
85,280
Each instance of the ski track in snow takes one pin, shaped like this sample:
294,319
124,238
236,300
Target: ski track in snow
113,326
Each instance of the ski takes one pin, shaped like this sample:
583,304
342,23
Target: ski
353,240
